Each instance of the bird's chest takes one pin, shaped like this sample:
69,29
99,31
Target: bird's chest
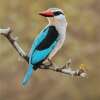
61,40
62,34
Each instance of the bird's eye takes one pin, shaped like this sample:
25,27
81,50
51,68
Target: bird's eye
57,13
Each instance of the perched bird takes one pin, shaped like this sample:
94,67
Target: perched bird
48,42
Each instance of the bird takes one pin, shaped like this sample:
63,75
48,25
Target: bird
48,42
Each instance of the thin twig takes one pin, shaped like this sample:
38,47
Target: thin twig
66,69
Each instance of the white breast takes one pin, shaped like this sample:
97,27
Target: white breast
60,42
62,35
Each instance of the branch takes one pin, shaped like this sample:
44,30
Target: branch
13,41
66,69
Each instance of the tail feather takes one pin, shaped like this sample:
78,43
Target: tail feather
27,75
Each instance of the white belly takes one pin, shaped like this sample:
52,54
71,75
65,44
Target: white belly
61,28
60,43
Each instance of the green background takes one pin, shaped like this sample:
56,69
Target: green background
82,45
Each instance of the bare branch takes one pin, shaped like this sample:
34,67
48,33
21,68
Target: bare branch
13,41
66,69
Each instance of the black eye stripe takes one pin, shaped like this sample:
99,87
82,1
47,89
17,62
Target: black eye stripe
57,13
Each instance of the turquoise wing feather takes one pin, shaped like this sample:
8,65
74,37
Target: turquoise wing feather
39,38
36,42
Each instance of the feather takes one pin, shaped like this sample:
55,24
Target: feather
27,75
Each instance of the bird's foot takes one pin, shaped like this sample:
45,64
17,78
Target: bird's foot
47,64
50,62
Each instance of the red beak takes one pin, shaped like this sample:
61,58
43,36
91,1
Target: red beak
46,13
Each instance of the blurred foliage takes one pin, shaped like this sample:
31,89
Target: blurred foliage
82,45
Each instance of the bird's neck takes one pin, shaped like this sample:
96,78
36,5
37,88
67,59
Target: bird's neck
60,25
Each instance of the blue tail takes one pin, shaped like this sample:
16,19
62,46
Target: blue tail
27,75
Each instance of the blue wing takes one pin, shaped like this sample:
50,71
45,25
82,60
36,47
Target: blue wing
38,40
43,45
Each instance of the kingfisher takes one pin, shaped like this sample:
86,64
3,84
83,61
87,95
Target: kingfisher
48,42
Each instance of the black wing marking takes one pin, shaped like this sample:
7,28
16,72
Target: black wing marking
49,40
